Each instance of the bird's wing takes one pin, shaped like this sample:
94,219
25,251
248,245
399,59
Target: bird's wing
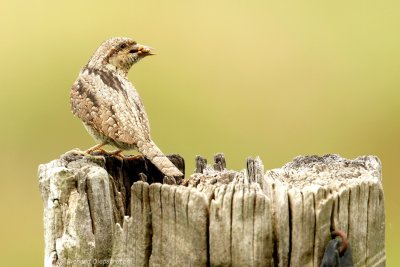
104,102
113,108
136,105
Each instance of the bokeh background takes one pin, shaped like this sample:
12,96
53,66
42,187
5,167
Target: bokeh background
270,78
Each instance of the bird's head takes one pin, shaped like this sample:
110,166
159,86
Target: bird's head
119,54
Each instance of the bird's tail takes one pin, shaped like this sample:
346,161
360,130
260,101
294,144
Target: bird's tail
151,151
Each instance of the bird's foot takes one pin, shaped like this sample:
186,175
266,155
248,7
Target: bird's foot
136,157
96,148
99,152
118,153
115,153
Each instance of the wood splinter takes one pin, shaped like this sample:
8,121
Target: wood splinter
106,209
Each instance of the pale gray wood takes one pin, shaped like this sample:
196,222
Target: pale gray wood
132,240
179,216
357,230
95,214
69,234
328,193
323,219
236,236
376,227
302,228
278,194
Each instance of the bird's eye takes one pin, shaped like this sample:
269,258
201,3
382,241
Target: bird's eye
122,46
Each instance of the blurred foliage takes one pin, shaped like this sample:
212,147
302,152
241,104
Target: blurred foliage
269,78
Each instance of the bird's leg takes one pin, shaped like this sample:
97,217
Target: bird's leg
102,151
136,157
116,153
96,147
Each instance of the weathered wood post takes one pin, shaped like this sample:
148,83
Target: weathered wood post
102,211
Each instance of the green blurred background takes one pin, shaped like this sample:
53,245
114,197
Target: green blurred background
269,78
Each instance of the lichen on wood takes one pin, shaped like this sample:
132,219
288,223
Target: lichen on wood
104,211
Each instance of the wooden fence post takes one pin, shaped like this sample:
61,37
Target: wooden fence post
103,211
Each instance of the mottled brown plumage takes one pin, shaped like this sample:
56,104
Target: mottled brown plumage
110,107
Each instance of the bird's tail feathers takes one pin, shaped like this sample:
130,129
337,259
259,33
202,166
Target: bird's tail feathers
151,151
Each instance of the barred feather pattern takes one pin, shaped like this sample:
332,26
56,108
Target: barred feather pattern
110,107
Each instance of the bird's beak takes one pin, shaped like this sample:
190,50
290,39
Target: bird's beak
145,50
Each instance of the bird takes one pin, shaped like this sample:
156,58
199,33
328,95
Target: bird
109,105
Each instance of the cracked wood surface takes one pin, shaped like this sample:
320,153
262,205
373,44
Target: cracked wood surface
102,211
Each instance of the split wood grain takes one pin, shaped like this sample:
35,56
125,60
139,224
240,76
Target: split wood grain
101,211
